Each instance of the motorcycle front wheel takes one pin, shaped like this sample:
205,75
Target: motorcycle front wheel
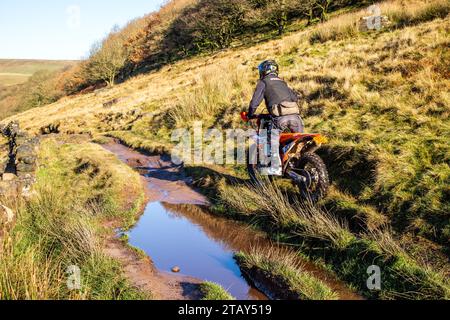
315,175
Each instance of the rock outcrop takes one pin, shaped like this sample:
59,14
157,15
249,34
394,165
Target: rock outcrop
18,160
6,215
373,23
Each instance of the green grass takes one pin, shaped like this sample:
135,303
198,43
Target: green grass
387,123
287,273
213,291
62,226
323,236
320,234
384,111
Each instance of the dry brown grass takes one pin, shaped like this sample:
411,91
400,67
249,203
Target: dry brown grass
213,89
25,275
399,12
306,219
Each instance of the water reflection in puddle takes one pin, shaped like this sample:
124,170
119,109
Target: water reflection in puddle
174,239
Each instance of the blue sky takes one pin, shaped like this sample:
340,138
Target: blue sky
62,29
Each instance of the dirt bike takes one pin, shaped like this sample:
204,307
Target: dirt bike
299,162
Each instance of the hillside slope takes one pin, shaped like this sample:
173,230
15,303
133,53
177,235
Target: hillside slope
13,71
382,99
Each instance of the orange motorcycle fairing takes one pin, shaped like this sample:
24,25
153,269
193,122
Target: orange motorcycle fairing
286,138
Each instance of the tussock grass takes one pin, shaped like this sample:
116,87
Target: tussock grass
360,217
405,13
285,268
213,291
213,90
338,28
303,217
348,254
61,226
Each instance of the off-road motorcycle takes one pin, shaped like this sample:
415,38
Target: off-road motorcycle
299,162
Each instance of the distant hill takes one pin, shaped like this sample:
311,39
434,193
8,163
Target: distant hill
16,71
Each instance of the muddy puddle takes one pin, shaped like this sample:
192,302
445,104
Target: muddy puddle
172,238
176,230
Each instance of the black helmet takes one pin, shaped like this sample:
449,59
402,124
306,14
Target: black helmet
268,67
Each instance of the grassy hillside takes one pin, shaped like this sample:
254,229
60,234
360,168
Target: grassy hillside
13,71
381,98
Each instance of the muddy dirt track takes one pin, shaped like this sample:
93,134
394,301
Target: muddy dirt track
176,229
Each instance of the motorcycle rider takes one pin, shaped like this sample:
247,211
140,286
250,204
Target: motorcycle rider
281,101
282,104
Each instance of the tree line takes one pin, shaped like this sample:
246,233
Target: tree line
185,27
214,24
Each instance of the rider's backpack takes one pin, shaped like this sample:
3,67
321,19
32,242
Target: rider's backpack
285,108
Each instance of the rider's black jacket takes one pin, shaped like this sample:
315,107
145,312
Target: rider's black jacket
273,90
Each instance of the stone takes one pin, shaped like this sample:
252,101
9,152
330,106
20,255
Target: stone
9,177
51,128
24,150
372,23
34,141
6,213
176,269
11,129
23,167
28,159
111,103
22,134
25,176
29,193
22,141
8,188
3,164
2,128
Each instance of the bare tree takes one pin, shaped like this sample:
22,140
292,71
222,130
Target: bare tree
275,13
107,58
318,10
